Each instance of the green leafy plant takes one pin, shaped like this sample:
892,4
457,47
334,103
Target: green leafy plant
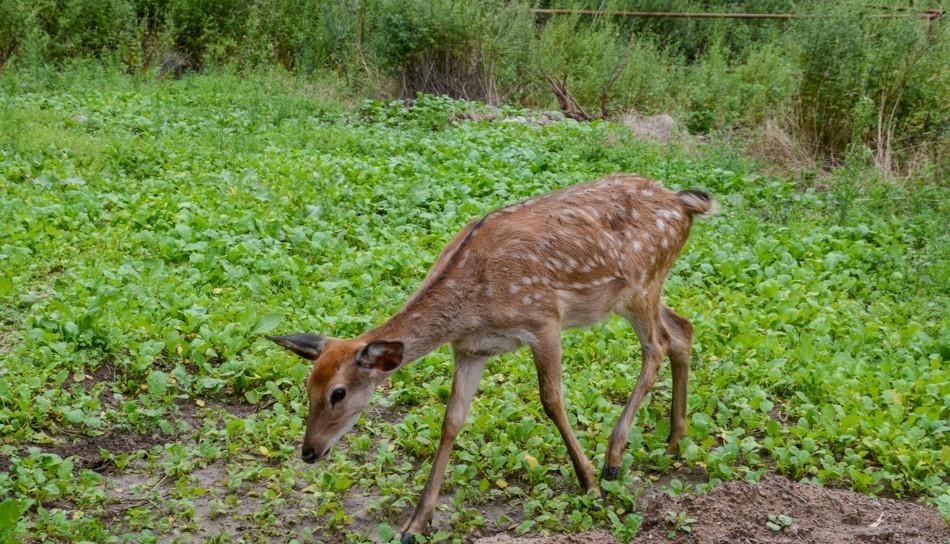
777,522
680,523
152,230
10,512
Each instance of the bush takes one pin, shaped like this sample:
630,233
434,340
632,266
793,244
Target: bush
583,56
60,29
469,50
864,79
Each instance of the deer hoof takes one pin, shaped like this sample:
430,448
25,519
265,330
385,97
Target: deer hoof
609,473
407,538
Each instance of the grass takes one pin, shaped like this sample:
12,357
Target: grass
157,229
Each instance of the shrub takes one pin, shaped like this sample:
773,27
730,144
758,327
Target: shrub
470,50
581,55
863,79
60,29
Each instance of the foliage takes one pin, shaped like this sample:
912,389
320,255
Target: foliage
471,50
156,228
852,94
840,81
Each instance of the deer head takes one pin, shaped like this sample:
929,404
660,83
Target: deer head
344,375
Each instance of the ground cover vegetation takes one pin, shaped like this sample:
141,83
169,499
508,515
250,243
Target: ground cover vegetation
806,93
152,230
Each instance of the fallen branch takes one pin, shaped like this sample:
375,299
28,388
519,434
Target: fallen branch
566,100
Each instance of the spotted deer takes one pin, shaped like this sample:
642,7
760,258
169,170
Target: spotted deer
519,276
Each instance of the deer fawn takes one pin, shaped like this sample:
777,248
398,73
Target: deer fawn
519,276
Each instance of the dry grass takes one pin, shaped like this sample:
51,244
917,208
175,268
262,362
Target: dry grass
775,145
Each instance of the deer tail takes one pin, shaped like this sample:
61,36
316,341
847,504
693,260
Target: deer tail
697,202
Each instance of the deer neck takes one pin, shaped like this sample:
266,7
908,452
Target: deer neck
424,324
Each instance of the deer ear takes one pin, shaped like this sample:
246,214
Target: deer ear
382,356
308,346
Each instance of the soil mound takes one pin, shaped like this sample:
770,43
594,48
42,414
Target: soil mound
737,513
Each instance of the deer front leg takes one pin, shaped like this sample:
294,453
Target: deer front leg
468,370
547,359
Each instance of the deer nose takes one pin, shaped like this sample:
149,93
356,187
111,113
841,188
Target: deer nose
309,455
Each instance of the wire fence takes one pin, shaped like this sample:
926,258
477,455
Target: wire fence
929,14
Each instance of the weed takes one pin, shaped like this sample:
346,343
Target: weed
680,523
776,523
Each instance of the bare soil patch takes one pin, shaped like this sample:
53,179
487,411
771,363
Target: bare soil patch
94,452
105,373
736,513
590,537
194,414
88,450
7,341
91,452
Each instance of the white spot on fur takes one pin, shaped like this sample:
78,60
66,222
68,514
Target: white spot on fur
637,245
514,288
527,299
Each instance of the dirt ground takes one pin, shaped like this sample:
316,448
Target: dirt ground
733,513
736,513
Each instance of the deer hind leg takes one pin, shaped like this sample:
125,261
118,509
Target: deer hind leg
547,359
650,330
468,370
680,332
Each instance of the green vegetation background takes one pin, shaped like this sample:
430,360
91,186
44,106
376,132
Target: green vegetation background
841,81
157,227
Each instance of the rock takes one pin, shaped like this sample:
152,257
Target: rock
658,128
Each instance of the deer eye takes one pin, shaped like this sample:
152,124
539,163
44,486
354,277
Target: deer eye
337,395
